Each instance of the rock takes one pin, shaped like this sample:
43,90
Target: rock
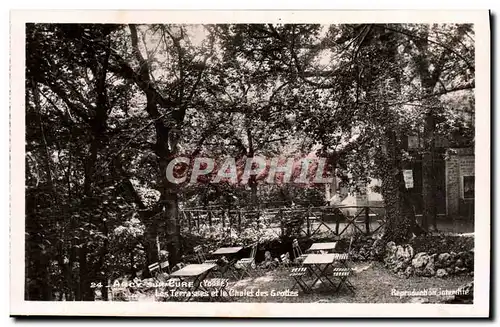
468,259
424,264
420,260
443,260
441,273
429,271
444,257
400,266
459,263
404,253
391,246
409,271
378,248
430,268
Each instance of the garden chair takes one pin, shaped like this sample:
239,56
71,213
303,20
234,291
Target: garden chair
157,268
343,273
200,256
298,274
298,256
246,264
285,260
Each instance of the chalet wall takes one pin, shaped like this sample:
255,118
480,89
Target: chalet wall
460,182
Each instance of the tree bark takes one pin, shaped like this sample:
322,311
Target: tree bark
400,222
428,174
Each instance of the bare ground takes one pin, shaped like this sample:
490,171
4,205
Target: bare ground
373,285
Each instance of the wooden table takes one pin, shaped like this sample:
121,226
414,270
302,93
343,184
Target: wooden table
326,246
230,252
193,275
318,264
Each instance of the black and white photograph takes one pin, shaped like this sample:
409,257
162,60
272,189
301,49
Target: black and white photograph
293,161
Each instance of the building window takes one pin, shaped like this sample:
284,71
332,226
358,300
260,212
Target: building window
468,187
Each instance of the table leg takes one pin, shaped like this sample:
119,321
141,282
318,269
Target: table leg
321,275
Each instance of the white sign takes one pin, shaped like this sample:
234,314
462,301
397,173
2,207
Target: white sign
408,177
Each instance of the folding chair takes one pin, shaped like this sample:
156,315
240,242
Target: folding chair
246,264
343,273
298,256
156,269
298,273
285,259
200,256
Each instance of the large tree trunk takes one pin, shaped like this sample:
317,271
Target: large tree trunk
254,198
428,174
171,215
400,221
86,292
253,178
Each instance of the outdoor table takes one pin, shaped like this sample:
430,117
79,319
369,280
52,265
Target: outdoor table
228,251
196,273
326,246
318,265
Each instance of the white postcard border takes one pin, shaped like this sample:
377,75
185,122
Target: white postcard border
480,308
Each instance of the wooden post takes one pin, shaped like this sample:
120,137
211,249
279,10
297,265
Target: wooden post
336,212
239,220
280,217
367,220
188,215
258,218
230,222
308,222
209,217
158,247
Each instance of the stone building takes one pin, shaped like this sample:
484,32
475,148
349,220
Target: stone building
459,171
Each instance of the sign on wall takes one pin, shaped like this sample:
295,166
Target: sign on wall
408,177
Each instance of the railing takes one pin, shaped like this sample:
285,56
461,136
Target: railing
338,220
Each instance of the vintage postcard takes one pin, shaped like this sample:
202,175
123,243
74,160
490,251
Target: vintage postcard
250,163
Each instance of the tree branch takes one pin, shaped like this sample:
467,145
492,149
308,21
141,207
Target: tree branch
471,67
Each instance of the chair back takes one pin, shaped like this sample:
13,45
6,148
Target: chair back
350,244
349,249
285,258
253,252
198,251
165,266
153,267
297,252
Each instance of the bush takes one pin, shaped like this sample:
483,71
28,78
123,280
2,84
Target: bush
442,243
